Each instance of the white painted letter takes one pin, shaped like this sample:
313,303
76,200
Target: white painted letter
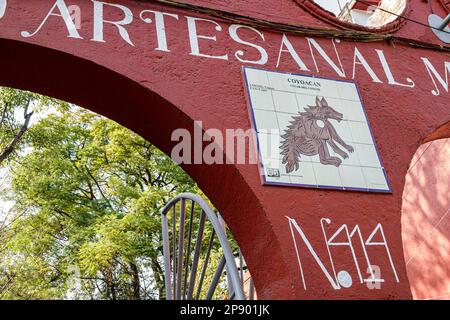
432,71
63,13
293,224
3,5
99,21
233,34
363,62
194,36
339,71
387,71
286,43
160,27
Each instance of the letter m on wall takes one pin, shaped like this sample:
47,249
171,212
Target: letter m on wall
436,76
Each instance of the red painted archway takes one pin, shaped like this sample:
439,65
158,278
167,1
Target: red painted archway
154,84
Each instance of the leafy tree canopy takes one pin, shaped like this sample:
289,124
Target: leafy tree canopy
85,221
16,111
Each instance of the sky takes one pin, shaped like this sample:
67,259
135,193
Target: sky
332,5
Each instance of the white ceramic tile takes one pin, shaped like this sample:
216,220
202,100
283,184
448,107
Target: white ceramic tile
282,168
284,120
255,76
274,163
305,101
261,100
275,92
269,145
278,81
347,91
311,158
375,178
275,172
265,120
352,177
327,175
285,179
353,110
353,158
304,175
285,102
328,88
270,131
306,86
367,155
335,104
360,132
303,85
343,130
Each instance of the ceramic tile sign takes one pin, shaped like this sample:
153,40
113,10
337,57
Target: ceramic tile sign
313,132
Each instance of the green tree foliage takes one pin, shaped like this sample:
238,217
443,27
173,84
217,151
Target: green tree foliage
87,194
16,110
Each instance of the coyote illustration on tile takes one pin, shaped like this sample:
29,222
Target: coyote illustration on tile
310,133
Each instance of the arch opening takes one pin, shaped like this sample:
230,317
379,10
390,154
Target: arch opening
426,219
84,83
368,15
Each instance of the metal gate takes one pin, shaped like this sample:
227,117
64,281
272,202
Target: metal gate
187,221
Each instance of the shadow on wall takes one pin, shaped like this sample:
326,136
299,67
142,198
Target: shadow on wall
426,221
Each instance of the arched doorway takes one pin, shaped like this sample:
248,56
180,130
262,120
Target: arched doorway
134,106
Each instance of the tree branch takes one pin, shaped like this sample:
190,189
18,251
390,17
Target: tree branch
15,141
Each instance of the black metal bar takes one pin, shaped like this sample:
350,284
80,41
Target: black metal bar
181,247
207,213
174,244
198,244
205,264
229,282
188,250
166,250
444,23
251,295
216,278
241,267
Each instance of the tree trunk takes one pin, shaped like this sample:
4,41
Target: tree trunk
136,294
15,141
111,292
159,277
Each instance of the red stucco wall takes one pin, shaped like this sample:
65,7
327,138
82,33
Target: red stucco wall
154,92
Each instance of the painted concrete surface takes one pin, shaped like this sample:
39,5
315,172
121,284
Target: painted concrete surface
156,78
